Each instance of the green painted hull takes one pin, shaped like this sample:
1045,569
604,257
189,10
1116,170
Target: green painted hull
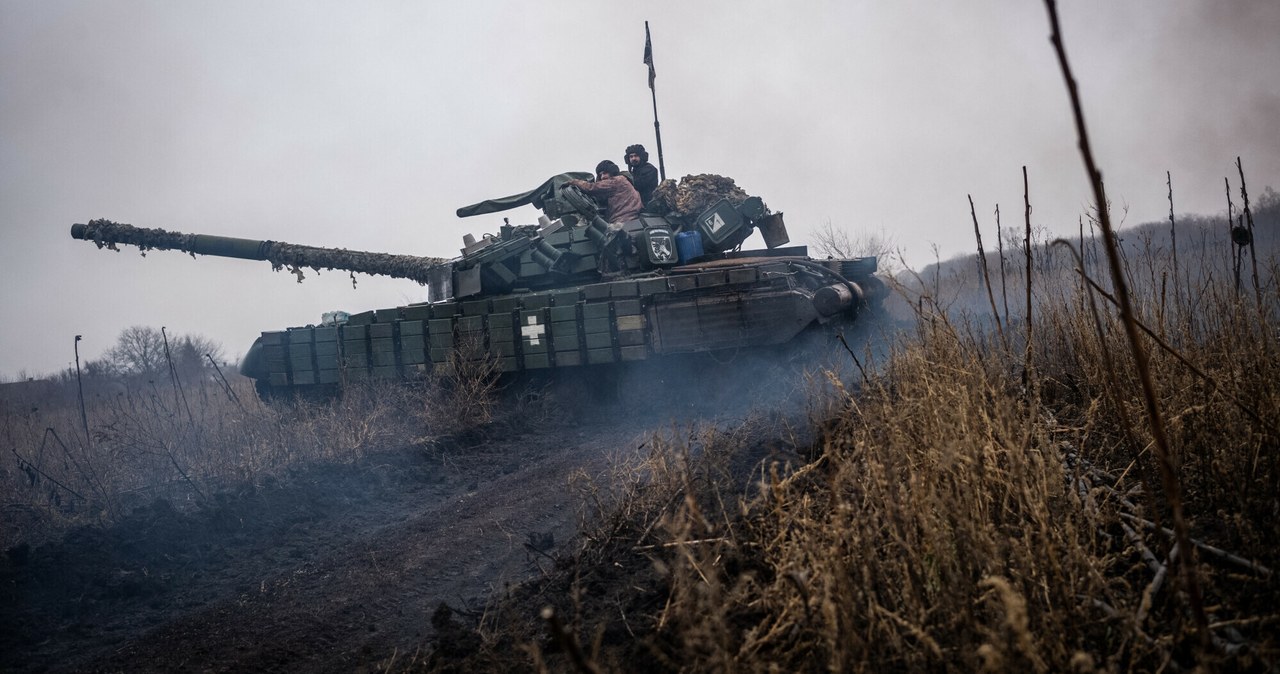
733,304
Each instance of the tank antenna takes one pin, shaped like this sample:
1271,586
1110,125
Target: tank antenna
657,129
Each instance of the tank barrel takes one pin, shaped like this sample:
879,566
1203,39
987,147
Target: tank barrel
107,234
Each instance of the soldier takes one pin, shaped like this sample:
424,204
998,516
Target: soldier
643,174
622,201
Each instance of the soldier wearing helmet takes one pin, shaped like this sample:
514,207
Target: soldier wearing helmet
643,174
622,201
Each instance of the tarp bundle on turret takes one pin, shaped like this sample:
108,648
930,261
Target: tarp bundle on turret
695,194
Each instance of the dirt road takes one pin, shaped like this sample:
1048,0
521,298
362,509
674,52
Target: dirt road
337,567
332,568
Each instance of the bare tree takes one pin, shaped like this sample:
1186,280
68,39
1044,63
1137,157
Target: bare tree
140,351
103,367
830,241
189,353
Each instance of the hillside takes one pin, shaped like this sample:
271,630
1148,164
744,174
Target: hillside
935,491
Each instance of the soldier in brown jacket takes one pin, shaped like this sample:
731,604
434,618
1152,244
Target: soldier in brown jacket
623,201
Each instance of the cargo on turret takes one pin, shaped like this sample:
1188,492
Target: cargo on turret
570,291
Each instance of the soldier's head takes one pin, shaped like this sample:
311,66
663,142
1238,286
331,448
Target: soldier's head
605,169
635,155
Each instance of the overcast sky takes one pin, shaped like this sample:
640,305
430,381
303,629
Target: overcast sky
365,125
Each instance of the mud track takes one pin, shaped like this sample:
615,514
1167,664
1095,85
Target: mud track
338,568
333,568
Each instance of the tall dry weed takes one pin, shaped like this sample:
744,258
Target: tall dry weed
963,511
145,443
462,394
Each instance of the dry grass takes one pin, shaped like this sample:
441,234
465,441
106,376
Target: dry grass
962,511
462,396
184,443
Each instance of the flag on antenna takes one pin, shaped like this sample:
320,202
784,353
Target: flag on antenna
648,54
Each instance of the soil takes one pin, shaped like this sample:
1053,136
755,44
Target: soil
332,568
346,567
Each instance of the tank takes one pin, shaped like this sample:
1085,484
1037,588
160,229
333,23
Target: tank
567,292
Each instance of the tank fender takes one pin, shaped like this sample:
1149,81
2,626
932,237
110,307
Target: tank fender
254,364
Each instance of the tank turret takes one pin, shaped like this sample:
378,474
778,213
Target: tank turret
570,290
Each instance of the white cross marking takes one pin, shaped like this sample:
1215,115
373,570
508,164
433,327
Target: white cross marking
533,331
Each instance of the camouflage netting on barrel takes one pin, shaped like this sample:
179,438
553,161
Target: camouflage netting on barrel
695,194
107,234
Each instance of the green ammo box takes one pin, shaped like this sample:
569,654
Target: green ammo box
565,313
445,310
537,301
652,286
595,310
303,378
623,289
536,361
596,291
626,307
631,338
387,315
475,308
599,356
417,312
599,340
565,334
568,358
